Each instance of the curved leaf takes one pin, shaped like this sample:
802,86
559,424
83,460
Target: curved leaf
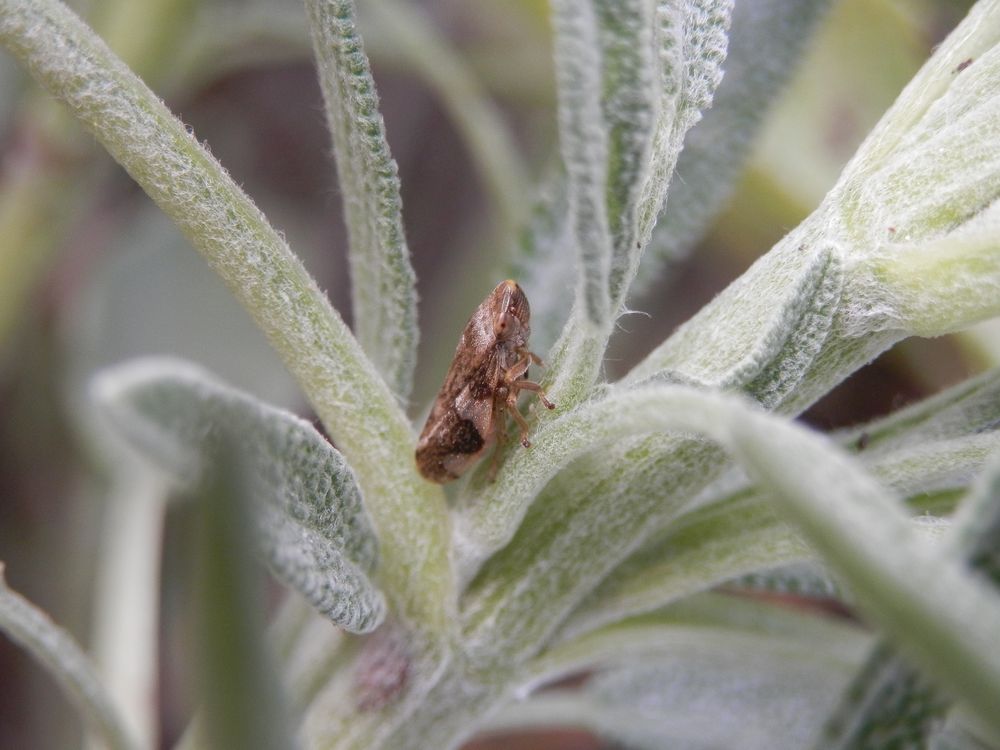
56,650
313,529
931,606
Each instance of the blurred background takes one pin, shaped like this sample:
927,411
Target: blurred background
91,273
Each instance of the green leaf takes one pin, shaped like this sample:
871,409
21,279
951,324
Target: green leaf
382,280
243,705
691,42
937,445
583,140
889,698
918,200
56,650
763,333
927,603
632,78
765,41
191,187
312,527
717,672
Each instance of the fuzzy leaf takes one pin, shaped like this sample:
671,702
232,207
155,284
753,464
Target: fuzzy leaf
313,530
918,200
189,185
889,698
583,140
763,333
927,603
629,105
382,279
541,259
765,41
691,41
934,446
735,673
56,650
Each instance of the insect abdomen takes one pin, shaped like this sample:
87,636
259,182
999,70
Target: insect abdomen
456,443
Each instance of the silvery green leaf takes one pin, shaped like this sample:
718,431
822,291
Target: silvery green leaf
765,40
889,698
312,527
544,252
629,106
357,408
732,673
917,203
859,528
936,445
583,140
382,279
691,41
763,333
56,650
887,704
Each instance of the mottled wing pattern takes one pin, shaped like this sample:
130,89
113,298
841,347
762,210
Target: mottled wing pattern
462,424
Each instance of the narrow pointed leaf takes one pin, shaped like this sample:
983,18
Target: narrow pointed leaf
691,42
314,532
765,41
382,280
583,139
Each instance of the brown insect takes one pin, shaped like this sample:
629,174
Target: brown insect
488,372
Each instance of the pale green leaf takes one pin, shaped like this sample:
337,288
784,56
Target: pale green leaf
583,140
56,650
382,280
313,530
934,446
734,673
691,42
189,185
927,603
890,699
765,40
763,333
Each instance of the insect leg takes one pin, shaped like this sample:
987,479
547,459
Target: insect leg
518,369
528,385
521,422
532,356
